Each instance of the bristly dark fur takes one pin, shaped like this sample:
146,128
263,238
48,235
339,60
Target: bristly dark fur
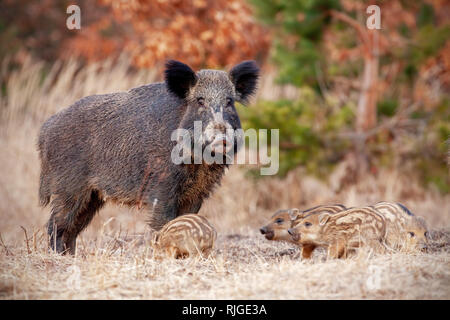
179,78
407,211
245,78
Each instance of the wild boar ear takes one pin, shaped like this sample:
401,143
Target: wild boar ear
293,213
245,77
323,218
179,78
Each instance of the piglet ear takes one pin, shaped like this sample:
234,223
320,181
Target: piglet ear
323,218
293,213
245,77
179,78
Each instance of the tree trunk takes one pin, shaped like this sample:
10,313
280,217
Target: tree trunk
366,117
366,113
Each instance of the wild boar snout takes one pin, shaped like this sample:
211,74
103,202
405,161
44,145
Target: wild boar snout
219,136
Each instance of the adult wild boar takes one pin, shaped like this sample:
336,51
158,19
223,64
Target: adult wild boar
118,147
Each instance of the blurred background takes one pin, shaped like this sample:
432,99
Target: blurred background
363,114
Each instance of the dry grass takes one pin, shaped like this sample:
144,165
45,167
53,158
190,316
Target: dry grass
114,260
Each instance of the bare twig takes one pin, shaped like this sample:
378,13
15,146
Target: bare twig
386,125
4,245
34,240
320,80
26,239
362,32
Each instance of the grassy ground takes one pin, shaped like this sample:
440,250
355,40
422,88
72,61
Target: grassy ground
114,260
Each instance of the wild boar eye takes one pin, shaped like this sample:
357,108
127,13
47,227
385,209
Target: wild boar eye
426,234
201,101
308,224
412,234
279,220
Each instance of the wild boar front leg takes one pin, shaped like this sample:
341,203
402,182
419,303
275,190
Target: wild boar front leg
163,207
191,207
307,250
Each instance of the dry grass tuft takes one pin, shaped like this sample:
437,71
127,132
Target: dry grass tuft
114,259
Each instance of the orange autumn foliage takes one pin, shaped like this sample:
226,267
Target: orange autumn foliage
202,33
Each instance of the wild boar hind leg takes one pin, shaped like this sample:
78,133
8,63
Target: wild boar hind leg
337,249
69,217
